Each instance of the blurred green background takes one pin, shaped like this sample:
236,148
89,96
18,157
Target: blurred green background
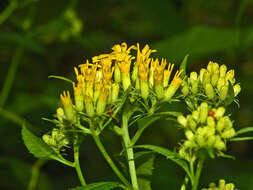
39,38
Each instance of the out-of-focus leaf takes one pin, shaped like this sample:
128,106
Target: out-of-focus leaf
15,174
168,154
98,186
145,166
200,41
244,130
22,40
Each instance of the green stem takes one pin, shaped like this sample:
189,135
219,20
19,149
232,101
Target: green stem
198,173
11,75
77,165
108,158
35,174
8,11
130,152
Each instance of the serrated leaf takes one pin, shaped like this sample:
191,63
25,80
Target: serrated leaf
244,130
241,139
61,78
36,146
168,154
183,65
145,166
98,186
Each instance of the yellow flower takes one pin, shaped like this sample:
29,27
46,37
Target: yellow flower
166,75
107,69
88,70
159,70
67,104
65,98
144,70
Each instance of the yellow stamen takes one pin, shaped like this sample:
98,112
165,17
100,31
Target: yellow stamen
159,69
65,98
177,80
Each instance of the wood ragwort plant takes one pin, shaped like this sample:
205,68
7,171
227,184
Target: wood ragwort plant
125,90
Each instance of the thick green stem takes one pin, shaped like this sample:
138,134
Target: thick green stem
108,158
77,165
130,152
197,175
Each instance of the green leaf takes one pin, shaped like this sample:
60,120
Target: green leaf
22,40
241,139
37,147
183,65
244,130
61,78
168,154
145,166
98,186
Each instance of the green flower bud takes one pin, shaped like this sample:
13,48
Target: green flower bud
210,66
201,141
212,185
206,78
159,90
144,89
215,67
189,135
102,101
228,133
221,124
60,114
185,90
67,105
222,183
211,141
135,72
195,115
201,74
182,120
219,144
117,73
203,112
89,106
49,140
126,81
223,70
230,76
230,186
221,82
215,77
223,92
191,123
194,82
210,131
115,92
237,89
209,91
210,122
188,144
219,113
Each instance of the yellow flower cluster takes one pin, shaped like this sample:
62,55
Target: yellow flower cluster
99,83
221,186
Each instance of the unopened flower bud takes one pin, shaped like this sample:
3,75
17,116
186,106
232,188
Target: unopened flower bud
189,135
211,141
203,112
201,140
115,92
230,76
230,186
185,90
135,72
210,131
220,124
219,144
209,91
201,74
195,115
221,82
182,120
144,89
210,66
89,106
219,113
126,81
215,77
49,140
117,73
191,123
223,92
60,114
237,89
102,100
223,70
228,133
210,121
194,82
68,107
188,144
159,90
206,78
222,184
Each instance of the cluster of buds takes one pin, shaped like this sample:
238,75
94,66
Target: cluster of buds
211,83
57,139
99,82
205,128
222,186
